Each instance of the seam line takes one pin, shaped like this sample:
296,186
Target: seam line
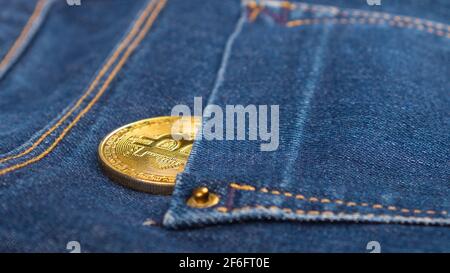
220,76
353,16
334,10
313,199
330,215
124,43
226,55
111,77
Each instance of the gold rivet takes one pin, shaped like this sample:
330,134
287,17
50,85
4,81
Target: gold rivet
202,198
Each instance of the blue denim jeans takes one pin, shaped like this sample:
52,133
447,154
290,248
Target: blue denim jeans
364,127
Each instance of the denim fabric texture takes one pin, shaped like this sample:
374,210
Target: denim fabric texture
20,21
355,125
364,102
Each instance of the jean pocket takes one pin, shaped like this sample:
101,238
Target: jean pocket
61,74
363,120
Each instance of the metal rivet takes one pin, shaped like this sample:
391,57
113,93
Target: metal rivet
202,198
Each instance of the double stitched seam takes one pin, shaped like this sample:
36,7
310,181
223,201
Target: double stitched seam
140,36
368,21
313,199
39,8
353,17
348,17
93,85
325,214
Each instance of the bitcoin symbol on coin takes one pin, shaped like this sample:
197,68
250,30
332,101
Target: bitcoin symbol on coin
147,155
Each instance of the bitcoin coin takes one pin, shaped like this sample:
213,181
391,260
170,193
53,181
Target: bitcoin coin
148,154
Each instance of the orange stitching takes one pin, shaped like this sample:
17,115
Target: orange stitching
372,21
326,213
371,17
112,75
24,33
352,12
254,14
337,201
245,187
94,84
222,209
299,196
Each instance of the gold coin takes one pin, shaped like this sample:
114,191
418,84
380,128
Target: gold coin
148,154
